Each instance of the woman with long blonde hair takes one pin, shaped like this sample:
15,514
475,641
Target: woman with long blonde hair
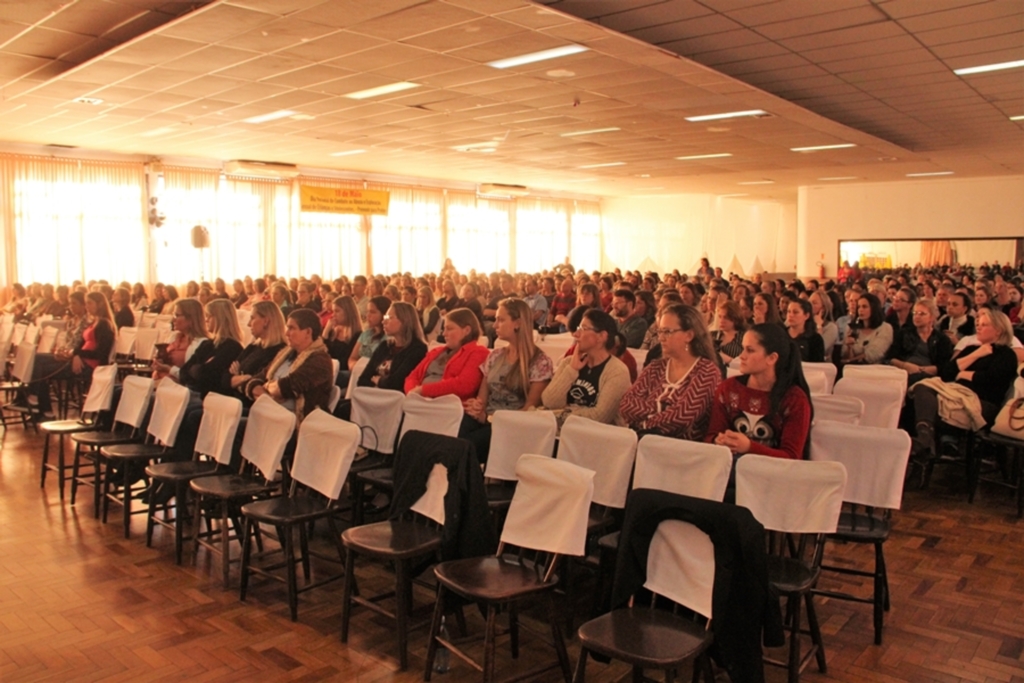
267,326
514,376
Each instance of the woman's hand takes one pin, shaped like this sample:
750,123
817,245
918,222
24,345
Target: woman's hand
734,441
475,409
161,368
239,380
273,389
982,351
578,360
234,368
77,365
258,391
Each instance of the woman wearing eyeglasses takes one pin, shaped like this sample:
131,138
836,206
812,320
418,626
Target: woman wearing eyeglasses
673,394
402,351
921,350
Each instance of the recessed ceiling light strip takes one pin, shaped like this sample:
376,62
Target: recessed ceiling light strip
541,56
695,157
589,132
819,148
928,175
381,90
985,68
727,115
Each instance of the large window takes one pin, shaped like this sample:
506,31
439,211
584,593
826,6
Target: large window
542,234
408,239
328,244
478,233
585,236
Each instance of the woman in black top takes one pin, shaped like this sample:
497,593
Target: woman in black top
921,350
205,369
268,327
804,332
400,353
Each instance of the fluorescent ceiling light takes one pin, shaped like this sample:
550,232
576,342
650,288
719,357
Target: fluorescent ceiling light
303,117
727,115
532,57
614,163
989,67
590,132
272,116
1017,118
840,177
925,175
758,182
704,156
818,148
741,194
348,153
381,90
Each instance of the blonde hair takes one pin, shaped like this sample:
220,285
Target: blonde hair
1001,322
348,304
271,312
225,321
522,342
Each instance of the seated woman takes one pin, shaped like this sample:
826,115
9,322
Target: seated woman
341,332
156,304
587,297
93,339
204,371
869,336
767,409
562,304
987,369
299,377
591,382
171,292
821,304
400,353
515,376
804,332
268,338
372,336
449,300
430,315
673,394
455,367
728,339
921,350
188,337
766,310
124,316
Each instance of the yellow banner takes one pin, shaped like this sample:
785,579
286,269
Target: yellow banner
333,200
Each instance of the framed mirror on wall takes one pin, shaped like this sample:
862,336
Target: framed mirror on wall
972,251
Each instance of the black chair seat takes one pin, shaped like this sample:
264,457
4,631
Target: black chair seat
66,426
381,477
789,575
861,528
133,451
370,462
181,471
499,495
394,539
1000,440
229,486
283,510
104,438
494,579
647,638
609,541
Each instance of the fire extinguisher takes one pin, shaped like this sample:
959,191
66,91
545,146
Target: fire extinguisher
821,270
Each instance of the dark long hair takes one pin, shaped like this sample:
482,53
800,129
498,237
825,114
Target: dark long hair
788,368
810,327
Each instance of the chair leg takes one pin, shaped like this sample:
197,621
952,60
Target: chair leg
346,600
638,675
558,640
197,521
60,464
880,592
513,629
225,547
435,629
402,586
46,458
289,560
74,472
126,499
793,608
580,675
304,551
243,579
489,637
97,486
709,673
812,625
670,676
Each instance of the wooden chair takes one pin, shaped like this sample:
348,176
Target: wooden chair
876,463
547,519
798,502
513,434
16,390
214,442
323,456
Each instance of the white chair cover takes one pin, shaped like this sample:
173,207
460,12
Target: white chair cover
515,432
551,506
335,397
639,355
381,411
47,339
6,332
441,415
125,341
687,468
168,412
357,370
135,394
217,429
101,390
833,408
335,368
875,460
829,370
483,341
148,320
24,361
730,372
607,450
887,373
145,343
18,335
791,496
431,503
32,334
681,565
555,345
267,431
500,344
325,451
817,382
882,400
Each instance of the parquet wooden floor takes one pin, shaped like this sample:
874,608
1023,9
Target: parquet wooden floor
78,602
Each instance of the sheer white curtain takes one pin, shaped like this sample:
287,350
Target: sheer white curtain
408,239
542,234
478,233
68,220
585,235
328,244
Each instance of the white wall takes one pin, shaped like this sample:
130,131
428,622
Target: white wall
663,233
926,209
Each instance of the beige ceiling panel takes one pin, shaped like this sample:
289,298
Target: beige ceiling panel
418,69
716,58
14,66
211,58
973,31
308,76
980,45
154,50
761,13
933,71
785,63
31,12
500,49
949,14
204,108
654,15
295,100
47,43
104,72
386,55
218,22
700,26
483,30
841,67
65,90
580,32
159,102
251,93
993,57
120,95
821,23
158,79
92,18
261,68
532,16
279,7
488,87
416,20
896,48
278,35
844,36
351,12
333,46
205,86
688,46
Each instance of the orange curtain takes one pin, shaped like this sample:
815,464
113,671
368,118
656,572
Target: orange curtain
936,253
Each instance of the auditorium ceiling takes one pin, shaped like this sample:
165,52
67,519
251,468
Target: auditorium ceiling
418,88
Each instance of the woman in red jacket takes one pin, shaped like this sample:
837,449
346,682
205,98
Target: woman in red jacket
455,367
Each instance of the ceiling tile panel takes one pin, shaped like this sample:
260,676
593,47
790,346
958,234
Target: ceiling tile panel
416,20
219,22
482,30
699,26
